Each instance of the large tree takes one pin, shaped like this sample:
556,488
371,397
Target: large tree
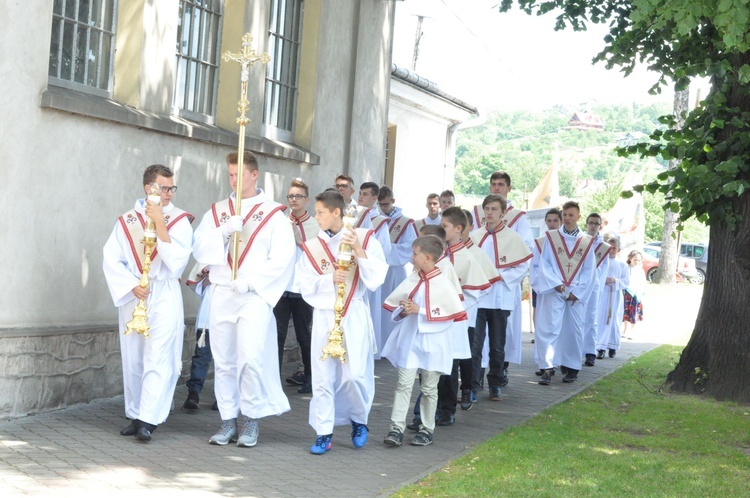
680,40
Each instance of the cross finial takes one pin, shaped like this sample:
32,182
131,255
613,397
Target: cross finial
246,57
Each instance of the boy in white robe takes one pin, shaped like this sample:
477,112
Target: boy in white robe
243,328
428,311
402,232
433,213
611,300
565,281
342,392
150,366
601,251
368,199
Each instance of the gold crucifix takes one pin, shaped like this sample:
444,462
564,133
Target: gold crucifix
247,57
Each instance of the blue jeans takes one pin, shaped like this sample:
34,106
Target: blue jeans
199,365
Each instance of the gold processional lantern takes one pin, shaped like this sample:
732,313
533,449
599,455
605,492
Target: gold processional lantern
335,346
139,323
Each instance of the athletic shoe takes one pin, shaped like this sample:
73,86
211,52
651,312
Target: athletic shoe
322,444
466,399
446,420
226,434
495,393
600,354
359,434
394,438
297,378
249,434
306,387
473,396
423,438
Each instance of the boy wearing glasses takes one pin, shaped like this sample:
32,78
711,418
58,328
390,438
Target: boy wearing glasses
601,250
291,305
150,366
344,185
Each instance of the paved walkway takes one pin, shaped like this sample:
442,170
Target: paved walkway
77,451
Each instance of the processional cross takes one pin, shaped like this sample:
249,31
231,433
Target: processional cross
246,57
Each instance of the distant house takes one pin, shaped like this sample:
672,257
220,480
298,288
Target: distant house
585,121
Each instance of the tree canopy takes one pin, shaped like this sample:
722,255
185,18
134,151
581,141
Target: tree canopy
680,40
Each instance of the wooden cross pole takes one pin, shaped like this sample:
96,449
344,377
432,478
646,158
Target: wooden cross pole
247,57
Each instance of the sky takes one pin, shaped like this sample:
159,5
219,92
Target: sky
512,60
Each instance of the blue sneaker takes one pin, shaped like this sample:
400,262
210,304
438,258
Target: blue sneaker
473,396
359,434
322,444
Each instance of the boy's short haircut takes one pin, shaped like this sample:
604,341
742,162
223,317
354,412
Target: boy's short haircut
433,196
346,178
248,160
455,216
554,211
469,216
612,239
149,176
500,175
571,205
435,230
430,245
447,193
594,215
300,184
374,189
385,193
332,200
495,198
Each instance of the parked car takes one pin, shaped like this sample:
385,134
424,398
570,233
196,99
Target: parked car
686,269
697,252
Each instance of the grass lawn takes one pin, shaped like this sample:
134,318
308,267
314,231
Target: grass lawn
622,436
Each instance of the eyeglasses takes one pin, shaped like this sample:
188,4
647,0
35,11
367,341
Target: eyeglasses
593,223
342,186
169,189
296,197
385,204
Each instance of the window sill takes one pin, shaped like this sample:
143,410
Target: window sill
64,99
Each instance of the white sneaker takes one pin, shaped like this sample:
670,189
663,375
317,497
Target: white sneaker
248,434
226,434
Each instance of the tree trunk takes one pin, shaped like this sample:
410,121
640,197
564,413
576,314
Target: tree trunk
665,273
716,360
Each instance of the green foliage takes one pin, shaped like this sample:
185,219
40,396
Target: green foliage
679,40
622,436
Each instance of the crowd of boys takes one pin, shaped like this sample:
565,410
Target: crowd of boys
448,320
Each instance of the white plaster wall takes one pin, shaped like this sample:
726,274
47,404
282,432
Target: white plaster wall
66,178
419,157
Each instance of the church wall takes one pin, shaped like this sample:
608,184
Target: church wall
68,174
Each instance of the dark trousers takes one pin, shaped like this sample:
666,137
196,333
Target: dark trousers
292,305
199,365
448,384
494,322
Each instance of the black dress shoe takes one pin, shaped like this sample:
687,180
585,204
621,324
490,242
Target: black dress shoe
447,419
600,354
590,360
143,434
504,378
540,372
571,376
612,353
191,403
130,430
546,377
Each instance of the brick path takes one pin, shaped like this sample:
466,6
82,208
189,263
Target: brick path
78,452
